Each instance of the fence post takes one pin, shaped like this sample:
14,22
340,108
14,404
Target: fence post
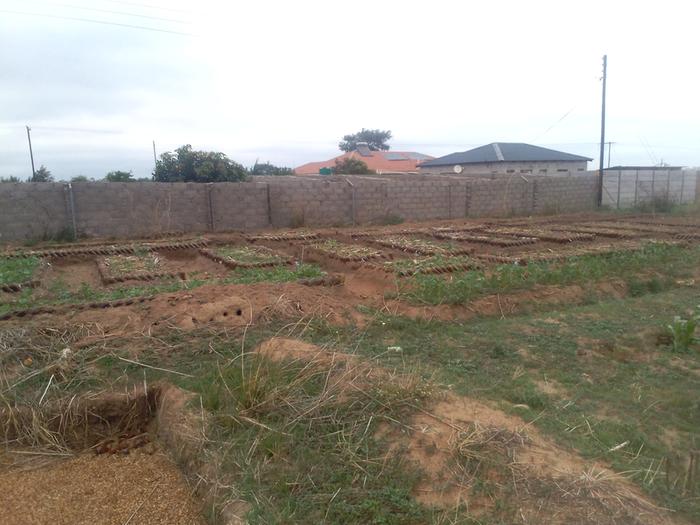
352,201
619,177
68,189
636,186
682,185
449,199
211,207
269,204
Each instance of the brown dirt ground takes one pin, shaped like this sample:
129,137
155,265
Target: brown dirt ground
105,489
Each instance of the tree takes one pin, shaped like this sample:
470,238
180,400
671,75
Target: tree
80,178
376,139
270,169
119,176
350,166
11,178
186,165
42,175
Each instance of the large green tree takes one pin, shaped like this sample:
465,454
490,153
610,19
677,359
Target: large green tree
349,166
376,139
119,176
270,169
188,165
42,175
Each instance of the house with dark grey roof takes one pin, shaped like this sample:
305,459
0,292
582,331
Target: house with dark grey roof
505,158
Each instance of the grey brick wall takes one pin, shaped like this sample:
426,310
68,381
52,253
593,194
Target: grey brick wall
131,209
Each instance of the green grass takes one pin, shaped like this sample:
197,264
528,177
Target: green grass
60,294
17,270
249,254
422,264
671,261
615,380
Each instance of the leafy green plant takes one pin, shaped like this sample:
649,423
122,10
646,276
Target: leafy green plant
682,331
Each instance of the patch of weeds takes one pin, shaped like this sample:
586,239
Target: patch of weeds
276,274
284,418
253,255
463,287
17,270
682,331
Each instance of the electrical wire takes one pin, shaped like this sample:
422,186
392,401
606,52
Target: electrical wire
123,13
103,22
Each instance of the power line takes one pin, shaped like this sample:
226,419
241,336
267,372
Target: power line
123,13
76,19
148,6
556,123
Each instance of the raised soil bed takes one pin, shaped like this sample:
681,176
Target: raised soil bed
135,267
421,246
246,256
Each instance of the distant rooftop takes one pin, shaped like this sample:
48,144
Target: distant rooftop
505,152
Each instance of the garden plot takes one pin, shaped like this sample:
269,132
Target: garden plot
488,239
283,236
632,227
17,274
246,256
140,266
345,252
421,246
432,264
568,252
599,231
560,237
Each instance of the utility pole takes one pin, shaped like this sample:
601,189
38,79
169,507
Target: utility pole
602,132
31,153
155,161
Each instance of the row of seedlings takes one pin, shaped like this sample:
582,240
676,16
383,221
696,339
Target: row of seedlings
140,266
283,236
421,246
434,264
246,256
345,252
503,241
560,237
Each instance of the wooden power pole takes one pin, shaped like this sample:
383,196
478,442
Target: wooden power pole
31,153
602,133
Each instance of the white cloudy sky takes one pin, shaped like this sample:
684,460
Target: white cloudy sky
282,81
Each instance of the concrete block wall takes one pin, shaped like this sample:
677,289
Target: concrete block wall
500,198
32,211
41,210
314,202
122,209
564,194
239,206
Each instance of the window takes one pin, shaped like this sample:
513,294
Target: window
581,169
543,170
563,170
525,171
510,171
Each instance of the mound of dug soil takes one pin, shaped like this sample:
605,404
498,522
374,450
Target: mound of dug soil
137,488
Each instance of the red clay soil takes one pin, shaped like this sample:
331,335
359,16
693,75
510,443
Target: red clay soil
138,488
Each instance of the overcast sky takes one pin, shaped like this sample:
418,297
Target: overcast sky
282,81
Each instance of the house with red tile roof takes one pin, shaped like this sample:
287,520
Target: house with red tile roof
379,161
